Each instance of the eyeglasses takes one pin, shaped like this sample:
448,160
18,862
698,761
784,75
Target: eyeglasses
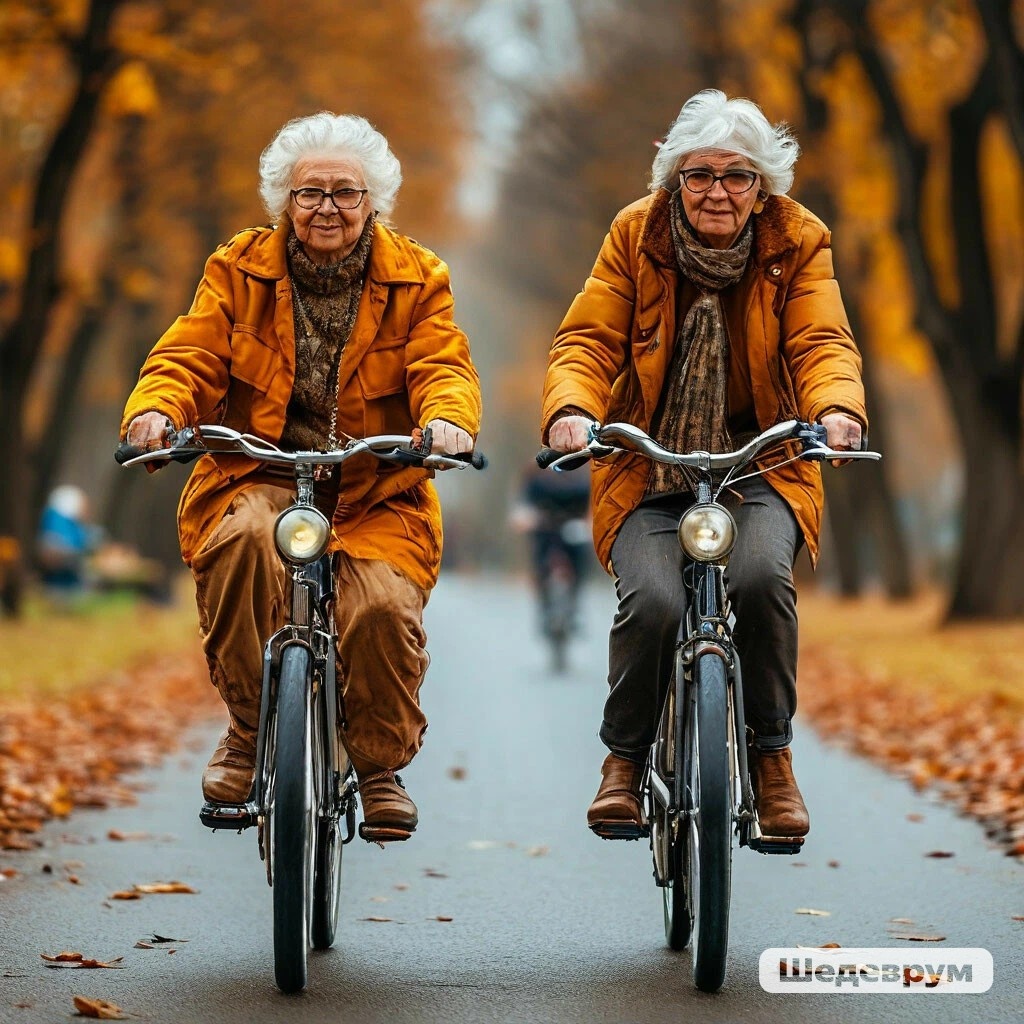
697,179
342,198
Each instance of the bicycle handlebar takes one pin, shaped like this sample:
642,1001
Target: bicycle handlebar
812,436
190,443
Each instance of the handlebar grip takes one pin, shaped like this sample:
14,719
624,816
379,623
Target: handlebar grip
546,456
476,459
125,451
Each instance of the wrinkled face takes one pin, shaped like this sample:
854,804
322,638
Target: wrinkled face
327,233
717,215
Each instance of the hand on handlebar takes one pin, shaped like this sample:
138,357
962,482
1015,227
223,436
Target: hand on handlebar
844,434
448,439
570,433
149,431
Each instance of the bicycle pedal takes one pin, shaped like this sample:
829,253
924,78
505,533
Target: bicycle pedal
383,833
229,816
626,830
777,844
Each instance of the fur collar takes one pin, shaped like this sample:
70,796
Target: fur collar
776,229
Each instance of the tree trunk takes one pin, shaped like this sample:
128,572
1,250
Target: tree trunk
22,342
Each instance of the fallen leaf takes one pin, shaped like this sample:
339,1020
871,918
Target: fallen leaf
912,977
98,1008
918,938
900,920
126,895
74,960
143,945
125,837
170,951
457,772
833,863
378,920
813,912
380,899
538,851
440,917
74,880
164,938
824,945
940,853
400,886
164,887
915,817
8,873
1017,917
482,844
798,863
431,873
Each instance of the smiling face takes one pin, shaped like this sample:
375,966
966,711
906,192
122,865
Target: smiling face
328,234
716,215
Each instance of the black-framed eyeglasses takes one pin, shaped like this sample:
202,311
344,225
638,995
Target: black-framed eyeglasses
699,179
342,198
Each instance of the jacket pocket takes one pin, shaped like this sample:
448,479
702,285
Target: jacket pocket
252,359
381,370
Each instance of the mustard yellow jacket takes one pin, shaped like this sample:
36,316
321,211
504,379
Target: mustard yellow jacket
231,360
613,349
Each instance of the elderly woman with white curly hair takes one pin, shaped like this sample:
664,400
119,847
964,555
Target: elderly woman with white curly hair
711,313
326,325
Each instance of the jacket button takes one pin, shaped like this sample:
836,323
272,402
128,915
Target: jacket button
775,271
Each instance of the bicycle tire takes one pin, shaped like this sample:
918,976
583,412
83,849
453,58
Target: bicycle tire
291,825
327,842
709,836
677,906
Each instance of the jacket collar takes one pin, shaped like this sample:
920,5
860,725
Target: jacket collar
391,262
776,229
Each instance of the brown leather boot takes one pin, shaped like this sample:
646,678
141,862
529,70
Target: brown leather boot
389,815
780,807
617,812
228,776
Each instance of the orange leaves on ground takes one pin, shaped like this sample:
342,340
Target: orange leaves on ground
968,749
58,753
98,1008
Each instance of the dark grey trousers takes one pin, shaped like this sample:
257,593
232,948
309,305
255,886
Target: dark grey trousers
648,565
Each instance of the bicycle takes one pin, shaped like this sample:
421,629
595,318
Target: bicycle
696,781
558,551
304,783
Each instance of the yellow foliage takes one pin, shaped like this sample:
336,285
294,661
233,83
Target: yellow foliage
132,92
12,261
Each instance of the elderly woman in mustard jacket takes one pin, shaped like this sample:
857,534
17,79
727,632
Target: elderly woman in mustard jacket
325,326
711,313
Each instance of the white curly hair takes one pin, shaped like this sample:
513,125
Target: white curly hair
327,134
710,120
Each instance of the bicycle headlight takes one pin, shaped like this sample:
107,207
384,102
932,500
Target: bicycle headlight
707,533
301,534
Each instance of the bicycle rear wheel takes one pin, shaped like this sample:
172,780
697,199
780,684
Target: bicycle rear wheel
327,841
709,835
291,813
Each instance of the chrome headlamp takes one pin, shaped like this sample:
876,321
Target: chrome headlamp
301,534
707,533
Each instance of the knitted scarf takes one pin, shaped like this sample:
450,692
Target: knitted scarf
695,401
325,301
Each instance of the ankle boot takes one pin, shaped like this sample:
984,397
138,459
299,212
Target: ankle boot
780,807
388,811
228,776
617,812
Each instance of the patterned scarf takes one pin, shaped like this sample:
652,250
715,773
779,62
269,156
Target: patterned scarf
696,397
325,301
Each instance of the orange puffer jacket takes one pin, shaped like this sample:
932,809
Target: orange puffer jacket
612,352
231,360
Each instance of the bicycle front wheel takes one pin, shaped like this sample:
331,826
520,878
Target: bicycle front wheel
291,812
709,835
327,846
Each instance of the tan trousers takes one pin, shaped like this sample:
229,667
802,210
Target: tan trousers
241,591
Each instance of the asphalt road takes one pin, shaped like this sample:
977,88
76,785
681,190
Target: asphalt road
549,924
